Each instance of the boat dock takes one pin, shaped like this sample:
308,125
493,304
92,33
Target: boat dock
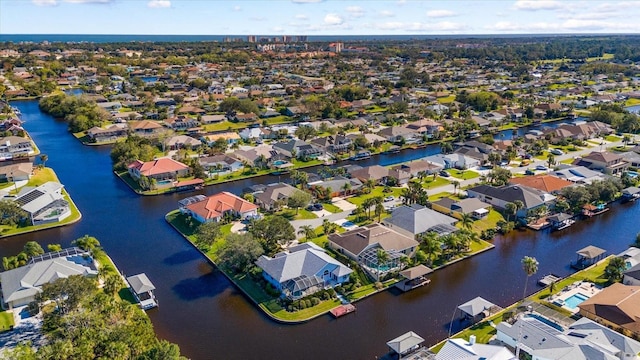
142,289
342,310
548,280
413,277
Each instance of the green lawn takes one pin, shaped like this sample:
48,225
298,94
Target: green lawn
632,102
463,174
41,176
331,208
490,222
290,214
447,99
438,196
612,138
6,320
376,192
429,183
224,125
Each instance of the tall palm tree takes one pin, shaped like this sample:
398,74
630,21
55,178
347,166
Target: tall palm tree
382,258
308,232
43,159
530,267
466,221
379,210
551,160
455,184
431,245
519,205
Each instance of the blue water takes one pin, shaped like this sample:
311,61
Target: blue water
634,109
574,300
347,224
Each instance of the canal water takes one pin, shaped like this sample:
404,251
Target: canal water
203,313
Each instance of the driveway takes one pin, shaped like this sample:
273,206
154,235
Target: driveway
343,204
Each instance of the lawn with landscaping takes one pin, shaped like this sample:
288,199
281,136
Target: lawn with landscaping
463,174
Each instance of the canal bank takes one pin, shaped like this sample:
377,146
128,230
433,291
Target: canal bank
209,318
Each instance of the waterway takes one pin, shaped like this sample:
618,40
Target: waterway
203,313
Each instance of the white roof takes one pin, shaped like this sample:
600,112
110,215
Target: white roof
460,349
405,342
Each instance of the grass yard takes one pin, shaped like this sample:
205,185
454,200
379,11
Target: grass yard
429,183
290,214
331,208
490,222
6,320
376,192
612,138
224,125
463,174
447,99
41,176
632,102
438,196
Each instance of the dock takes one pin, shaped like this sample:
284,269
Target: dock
142,289
548,280
342,310
413,277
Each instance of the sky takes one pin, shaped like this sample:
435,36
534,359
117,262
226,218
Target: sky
317,17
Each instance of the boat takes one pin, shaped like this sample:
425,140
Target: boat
548,279
362,155
342,310
393,150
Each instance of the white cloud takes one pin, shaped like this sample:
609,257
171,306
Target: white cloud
257,18
46,2
333,19
88,1
301,17
355,11
440,13
568,26
157,4
401,2
237,8
386,13
418,26
277,29
306,1
534,5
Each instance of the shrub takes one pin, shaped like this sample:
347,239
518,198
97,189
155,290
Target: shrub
307,303
379,285
315,301
303,304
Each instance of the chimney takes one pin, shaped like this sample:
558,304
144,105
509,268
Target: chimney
472,340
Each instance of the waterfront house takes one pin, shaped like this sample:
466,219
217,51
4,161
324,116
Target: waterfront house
396,134
546,183
302,270
631,276
616,306
604,161
413,220
16,172
463,349
578,174
159,169
470,206
362,245
259,156
215,207
44,204
220,164
183,142
14,147
274,196
500,196
333,143
145,128
419,167
297,149
338,185
110,133
21,285
543,339
181,123
377,173
110,105
425,127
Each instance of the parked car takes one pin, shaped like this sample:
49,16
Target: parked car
525,162
541,167
317,207
444,173
556,151
529,172
389,198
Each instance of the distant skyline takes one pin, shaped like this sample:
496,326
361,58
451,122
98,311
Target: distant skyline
317,17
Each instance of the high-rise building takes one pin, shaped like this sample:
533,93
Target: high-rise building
251,38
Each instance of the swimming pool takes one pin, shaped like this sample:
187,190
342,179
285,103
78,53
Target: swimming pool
348,224
546,321
574,300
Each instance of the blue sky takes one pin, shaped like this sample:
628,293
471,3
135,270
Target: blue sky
317,17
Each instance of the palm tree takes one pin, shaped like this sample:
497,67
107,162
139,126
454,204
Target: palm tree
510,209
455,184
466,221
519,205
308,232
530,267
626,139
614,270
43,159
431,245
346,187
382,258
551,160
379,210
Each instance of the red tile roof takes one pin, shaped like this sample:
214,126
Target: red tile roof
158,166
216,205
546,183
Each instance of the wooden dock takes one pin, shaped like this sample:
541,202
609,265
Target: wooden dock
548,280
342,310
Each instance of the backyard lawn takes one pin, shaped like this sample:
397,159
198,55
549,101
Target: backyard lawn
376,192
490,222
331,208
463,174
429,183
6,320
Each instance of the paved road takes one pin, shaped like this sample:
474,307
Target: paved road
297,224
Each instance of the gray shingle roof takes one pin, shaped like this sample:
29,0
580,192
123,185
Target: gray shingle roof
140,283
418,219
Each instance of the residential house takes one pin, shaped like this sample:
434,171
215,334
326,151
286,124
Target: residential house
500,196
425,127
230,137
302,270
631,157
362,245
419,168
616,306
220,164
16,172
274,196
583,340
470,206
182,142
547,183
259,156
377,173
181,123
240,117
254,133
44,204
414,220
158,169
110,105
215,207
146,128
335,144
108,134
396,134
463,349
212,119
578,174
296,111
631,276
604,161
14,147
297,149
20,286
338,186
400,176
